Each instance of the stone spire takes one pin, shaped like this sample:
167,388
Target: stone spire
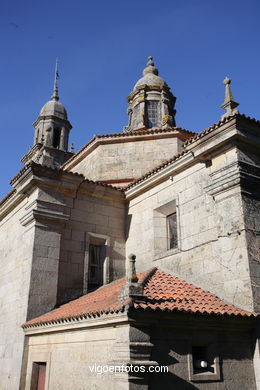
229,103
55,94
151,103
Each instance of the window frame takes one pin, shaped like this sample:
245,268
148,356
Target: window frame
173,236
102,240
152,122
204,375
161,240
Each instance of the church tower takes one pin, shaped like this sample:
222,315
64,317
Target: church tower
151,103
51,132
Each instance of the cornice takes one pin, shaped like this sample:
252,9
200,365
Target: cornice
219,124
200,149
95,320
57,179
53,118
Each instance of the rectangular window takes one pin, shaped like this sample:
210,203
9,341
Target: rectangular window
38,376
152,113
203,363
95,268
166,235
172,236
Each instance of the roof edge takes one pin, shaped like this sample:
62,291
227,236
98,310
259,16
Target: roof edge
129,134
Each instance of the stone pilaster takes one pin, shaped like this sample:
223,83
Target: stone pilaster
48,220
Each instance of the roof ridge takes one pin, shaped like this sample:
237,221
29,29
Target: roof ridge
144,279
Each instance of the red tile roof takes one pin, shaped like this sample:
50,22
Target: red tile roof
162,291
167,292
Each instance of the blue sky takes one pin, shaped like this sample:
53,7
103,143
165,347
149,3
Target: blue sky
102,48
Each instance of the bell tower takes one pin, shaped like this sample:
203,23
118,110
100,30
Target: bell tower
151,103
51,134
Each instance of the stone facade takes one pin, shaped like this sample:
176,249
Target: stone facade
109,196
15,281
55,229
204,187
120,158
72,353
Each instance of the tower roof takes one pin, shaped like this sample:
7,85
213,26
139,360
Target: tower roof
150,76
53,107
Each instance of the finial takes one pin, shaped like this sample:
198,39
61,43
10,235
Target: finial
130,270
55,95
229,103
150,68
150,61
132,287
72,148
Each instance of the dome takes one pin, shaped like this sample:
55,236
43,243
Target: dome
54,108
150,76
151,79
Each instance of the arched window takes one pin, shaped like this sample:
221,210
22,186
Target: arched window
152,113
56,138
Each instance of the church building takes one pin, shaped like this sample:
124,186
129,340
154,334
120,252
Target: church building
134,263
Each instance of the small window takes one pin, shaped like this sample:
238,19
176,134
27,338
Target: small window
166,234
201,360
38,376
152,113
56,138
172,236
95,268
204,363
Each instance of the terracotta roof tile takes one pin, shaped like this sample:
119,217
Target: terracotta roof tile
167,292
162,291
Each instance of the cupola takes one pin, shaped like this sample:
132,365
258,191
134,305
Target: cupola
51,134
151,103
